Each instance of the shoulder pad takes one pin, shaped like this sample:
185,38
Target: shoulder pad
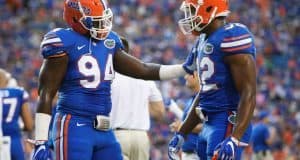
56,42
237,39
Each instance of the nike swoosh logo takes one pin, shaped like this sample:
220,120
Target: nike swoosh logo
80,124
80,47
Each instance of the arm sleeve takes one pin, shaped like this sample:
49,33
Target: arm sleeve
53,45
238,40
155,94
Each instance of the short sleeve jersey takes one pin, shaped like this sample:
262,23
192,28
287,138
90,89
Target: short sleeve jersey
218,92
86,87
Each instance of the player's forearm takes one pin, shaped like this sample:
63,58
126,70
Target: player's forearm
43,117
133,67
44,103
244,113
189,124
192,119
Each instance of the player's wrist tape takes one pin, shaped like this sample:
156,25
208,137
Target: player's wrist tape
238,143
42,122
102,123
167,72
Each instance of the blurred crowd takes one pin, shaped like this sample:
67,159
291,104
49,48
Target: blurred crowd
151,27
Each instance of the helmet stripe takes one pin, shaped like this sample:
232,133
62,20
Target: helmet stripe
103,4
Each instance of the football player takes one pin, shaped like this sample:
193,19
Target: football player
79,63
13,104
225,56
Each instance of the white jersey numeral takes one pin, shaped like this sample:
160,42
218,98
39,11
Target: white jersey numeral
206,74
89,67
109,69
12,102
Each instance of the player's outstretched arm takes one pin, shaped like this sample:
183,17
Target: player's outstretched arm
133,67
51,75
243,71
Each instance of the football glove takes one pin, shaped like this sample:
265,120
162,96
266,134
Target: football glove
174,146
226,150
42,150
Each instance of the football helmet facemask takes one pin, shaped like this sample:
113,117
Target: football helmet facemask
200,13
89,16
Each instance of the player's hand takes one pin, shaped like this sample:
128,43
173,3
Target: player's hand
42,150
190,64
227,149
174,146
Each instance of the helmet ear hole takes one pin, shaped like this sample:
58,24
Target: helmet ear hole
74,20
208,9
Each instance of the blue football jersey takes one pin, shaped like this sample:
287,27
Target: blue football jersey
218,92
86,87
12,102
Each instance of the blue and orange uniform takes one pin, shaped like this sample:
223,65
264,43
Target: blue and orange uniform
85,93
218,96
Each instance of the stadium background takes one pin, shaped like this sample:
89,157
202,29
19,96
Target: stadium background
151,27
